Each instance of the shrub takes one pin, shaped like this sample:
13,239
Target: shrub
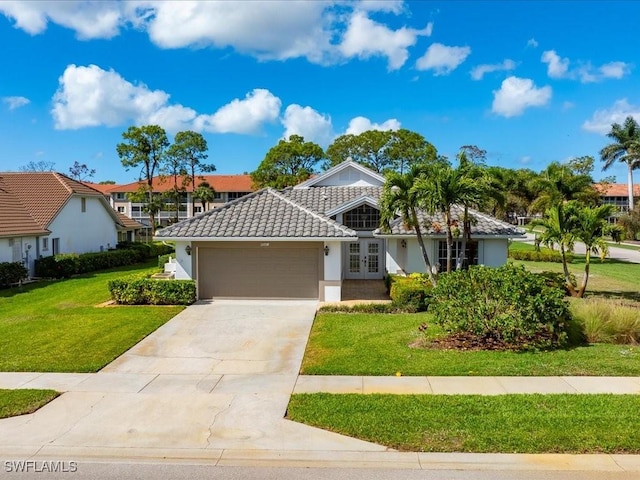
507,307
556,280
539,256
363,308
141,290
12,272
607,321
66,265
412,293
162,259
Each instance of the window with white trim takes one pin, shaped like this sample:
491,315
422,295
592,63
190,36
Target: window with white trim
121,209
471,255
45,243
364,217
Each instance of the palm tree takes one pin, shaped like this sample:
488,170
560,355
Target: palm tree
626,149
590,225
399,197
559,183
475,172
558,230
205,193
441,190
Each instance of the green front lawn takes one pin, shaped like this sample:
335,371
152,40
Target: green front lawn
378,344
21,402
57,327
475,423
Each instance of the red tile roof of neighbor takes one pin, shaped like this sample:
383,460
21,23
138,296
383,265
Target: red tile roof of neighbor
15,220
617,190
128,223
220,183
104,188
43,194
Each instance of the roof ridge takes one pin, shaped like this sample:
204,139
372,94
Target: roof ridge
321,217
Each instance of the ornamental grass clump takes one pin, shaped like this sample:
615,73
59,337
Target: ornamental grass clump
505,308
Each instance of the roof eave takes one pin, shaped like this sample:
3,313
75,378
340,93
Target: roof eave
256,239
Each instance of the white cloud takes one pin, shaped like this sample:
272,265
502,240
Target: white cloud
358,125
556,67
365,38
480,70
532,42
614,70
585,72
90,96
391,6
307,122
242,116
267,30
442,59
601,120
15,102
517,94
88,19
566,105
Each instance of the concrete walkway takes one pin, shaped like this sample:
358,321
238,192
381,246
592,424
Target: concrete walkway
212,387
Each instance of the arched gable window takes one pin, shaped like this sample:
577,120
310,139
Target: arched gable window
364,217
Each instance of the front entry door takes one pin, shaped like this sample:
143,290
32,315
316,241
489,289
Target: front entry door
364,260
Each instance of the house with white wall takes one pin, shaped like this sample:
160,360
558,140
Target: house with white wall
304,241
46,213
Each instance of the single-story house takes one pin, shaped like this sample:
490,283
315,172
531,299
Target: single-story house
303,241
46,213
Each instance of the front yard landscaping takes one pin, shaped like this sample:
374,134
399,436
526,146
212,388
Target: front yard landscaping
56,326
474,423
379,344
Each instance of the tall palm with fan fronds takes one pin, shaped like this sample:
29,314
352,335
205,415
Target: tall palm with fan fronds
625,149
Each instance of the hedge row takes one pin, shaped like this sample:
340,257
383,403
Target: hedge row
66,265
12,272
541,256
136,290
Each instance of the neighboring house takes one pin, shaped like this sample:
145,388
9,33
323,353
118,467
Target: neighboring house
46,213
226,187
618,194
302,242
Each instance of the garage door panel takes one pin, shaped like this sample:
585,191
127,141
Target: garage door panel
258,272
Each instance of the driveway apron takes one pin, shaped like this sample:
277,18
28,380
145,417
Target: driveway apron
216,377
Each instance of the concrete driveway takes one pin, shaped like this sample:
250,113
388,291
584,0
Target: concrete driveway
217,377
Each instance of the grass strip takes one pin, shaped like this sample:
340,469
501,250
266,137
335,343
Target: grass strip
484,424
21,402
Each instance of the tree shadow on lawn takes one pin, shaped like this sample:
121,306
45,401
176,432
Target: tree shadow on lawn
616,295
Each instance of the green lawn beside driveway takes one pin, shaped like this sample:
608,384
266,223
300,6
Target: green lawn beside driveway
379,344
57,326
21,402
475,423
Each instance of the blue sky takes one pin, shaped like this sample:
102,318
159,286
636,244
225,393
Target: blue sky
530,82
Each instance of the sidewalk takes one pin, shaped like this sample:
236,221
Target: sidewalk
146,383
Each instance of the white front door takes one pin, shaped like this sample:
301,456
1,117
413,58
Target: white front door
364,260
17,250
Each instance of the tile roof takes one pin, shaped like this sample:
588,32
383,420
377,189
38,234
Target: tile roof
126,222
104,188
481,225
325,199
263,214
220,183
15,220
43,194
617,190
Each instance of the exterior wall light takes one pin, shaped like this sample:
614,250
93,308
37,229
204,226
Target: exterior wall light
403,243
326,250
188,249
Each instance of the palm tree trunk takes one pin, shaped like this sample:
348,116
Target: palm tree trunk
466,227
630,186
567,275
585,279
447,219
425,255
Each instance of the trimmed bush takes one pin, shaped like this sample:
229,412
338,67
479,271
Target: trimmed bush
362,308
501,308
141,290
12,272
541,256
66,265
412,293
